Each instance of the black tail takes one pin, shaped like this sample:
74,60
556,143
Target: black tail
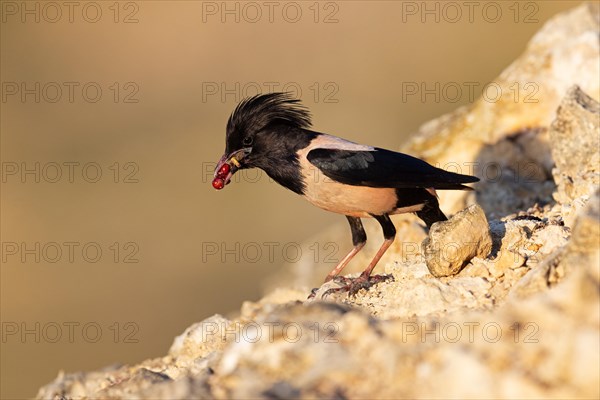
452,186
453,181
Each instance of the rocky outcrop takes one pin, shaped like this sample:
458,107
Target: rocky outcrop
452,244
515,315
504,138
576,144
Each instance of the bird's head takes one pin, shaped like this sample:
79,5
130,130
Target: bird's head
253,130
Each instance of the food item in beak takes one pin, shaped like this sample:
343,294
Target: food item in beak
223,171
218,183
222,176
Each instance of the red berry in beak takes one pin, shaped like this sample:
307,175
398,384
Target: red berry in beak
223,171
218,183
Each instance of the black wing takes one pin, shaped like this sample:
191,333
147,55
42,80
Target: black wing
384,169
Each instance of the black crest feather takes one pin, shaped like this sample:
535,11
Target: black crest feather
254,113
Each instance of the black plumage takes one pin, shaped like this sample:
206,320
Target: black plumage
382,168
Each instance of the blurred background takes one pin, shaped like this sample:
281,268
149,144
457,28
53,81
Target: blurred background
112,119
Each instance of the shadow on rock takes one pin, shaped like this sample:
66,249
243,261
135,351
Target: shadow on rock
516,173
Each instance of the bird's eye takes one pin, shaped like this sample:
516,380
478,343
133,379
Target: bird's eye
247,141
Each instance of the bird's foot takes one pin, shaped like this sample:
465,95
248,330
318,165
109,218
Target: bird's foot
313,293
354,285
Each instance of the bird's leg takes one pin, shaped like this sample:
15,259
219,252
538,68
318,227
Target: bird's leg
359,238
334,273
365,280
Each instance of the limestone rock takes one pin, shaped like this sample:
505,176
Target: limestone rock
453,243
515,172
563,53
584,248
575,134
201,338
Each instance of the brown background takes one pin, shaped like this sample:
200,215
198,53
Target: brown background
173,134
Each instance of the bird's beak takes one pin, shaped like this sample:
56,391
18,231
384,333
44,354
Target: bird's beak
235,161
